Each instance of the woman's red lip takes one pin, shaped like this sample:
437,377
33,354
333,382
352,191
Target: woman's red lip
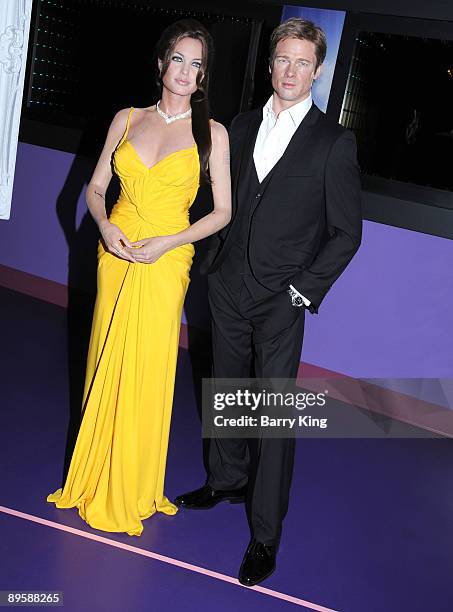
182,82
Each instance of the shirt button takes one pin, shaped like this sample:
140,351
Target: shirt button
258,195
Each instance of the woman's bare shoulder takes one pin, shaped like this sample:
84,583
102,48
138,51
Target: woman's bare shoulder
145,111
218,132
119,121
121,117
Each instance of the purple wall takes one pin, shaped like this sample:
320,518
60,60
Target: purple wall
33,240
389,316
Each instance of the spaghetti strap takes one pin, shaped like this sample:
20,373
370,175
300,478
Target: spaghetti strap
127,125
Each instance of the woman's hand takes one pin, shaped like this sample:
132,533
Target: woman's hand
150,249
115,241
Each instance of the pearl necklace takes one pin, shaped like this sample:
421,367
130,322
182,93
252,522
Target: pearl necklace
170,118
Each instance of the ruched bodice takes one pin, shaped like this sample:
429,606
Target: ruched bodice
116,476
163,193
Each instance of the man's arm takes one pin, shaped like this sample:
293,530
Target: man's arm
344,223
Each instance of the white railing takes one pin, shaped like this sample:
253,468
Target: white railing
14,30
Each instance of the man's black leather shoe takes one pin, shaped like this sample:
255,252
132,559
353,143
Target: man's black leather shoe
258,563
207,497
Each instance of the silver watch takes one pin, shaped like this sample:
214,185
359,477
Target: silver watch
296,299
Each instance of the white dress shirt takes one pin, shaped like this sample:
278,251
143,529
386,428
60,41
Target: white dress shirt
273,137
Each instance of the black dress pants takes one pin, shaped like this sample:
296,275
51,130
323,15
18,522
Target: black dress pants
265,336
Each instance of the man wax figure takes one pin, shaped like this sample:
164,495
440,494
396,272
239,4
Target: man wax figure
296,225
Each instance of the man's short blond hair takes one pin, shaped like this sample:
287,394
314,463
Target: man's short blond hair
295,27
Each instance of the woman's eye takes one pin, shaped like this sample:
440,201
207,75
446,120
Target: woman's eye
196,64
177,58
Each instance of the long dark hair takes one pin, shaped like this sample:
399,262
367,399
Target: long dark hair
190,28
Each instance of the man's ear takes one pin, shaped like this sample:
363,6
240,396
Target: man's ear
318,72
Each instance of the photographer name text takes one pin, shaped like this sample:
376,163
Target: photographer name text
266,421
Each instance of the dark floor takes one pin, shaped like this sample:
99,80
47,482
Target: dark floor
370,525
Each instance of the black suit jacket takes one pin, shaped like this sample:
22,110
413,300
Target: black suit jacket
306,221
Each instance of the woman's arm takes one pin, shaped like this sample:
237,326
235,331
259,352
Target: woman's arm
112,236
219,168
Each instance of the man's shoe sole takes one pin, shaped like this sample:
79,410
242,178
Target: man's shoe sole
251,584
231,500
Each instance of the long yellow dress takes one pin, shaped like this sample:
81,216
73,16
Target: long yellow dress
116,476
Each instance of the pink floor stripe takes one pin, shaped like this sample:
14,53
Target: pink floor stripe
164,559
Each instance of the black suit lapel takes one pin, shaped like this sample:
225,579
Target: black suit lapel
246,155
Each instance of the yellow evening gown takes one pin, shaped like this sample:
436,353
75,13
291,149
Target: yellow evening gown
116,476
